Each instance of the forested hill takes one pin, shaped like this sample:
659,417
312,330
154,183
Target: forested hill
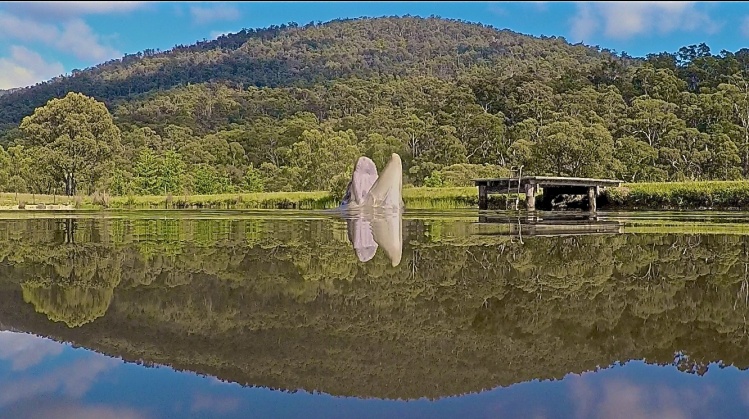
292,108
292,55
8,91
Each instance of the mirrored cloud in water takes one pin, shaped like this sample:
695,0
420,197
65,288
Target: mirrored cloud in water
621,398
25,350
73,379
43,407
213,404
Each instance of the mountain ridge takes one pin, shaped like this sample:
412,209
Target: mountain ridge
290,54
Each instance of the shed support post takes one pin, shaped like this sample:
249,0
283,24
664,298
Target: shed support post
592,193
482,197
530,197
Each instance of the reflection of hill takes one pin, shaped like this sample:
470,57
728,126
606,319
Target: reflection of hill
286,304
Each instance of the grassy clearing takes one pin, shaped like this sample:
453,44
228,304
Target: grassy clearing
729,195
414,198
260,200
28,200
680,195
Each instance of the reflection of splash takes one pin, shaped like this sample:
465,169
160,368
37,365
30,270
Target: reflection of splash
360,236
25,350
369,230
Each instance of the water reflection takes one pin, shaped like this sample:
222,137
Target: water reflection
447,308
368,231
551,224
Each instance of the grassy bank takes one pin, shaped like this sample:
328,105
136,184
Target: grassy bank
679,195
415,198
660,196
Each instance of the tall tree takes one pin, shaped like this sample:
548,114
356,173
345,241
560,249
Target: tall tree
79,133
568,148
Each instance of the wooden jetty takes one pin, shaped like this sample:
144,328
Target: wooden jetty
552,187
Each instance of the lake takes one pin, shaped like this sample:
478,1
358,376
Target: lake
280,314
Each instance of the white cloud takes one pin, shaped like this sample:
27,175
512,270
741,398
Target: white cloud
81,41
21,349
584,24
541,6
216,34
59,26
203,15
67,9
745,26
623,20
495,9
25,29
25,68
74,36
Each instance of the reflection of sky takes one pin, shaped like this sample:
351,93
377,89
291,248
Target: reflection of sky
40,378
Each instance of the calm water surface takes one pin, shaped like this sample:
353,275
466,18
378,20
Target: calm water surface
307,314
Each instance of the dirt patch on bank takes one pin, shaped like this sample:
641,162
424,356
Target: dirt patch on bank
38,207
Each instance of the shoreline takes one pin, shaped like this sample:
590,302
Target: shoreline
670,196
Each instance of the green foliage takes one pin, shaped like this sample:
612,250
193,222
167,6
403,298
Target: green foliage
296,106
16,184
253,180
147,170
434,180
322,155
77,134
171,172
205,179
463,174
154,174
120,182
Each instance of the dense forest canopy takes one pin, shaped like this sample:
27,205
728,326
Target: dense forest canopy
290,107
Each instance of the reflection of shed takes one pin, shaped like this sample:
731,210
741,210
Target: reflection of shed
552,186
553,226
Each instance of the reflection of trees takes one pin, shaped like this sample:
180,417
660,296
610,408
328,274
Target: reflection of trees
70,276
75,305
73,283
469,312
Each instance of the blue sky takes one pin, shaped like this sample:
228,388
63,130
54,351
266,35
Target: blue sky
40,40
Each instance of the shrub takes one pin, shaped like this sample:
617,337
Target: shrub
463,174
338,186
434,180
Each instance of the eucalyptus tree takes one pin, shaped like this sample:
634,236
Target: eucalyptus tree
77,133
